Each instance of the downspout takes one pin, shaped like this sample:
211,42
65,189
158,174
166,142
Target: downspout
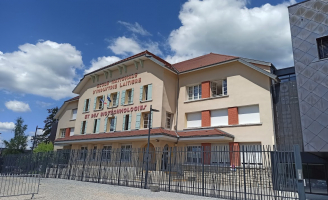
177,107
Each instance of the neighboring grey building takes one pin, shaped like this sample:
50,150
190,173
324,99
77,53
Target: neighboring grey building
309,30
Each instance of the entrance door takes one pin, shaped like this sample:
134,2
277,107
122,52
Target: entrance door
165,158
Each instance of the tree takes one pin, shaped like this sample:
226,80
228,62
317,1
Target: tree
17,144
44,147
45,137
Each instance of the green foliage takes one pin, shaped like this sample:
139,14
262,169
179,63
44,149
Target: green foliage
44,147
17,144
45,137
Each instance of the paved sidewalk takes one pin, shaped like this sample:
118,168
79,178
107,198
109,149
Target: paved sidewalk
61,189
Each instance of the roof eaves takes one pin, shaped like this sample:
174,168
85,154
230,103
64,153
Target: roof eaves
257,61
274,77
207,66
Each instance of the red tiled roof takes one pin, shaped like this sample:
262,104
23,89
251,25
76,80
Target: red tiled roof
155,131
168,65
202,61
72,99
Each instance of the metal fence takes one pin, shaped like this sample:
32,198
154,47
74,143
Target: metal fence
19,184
251,172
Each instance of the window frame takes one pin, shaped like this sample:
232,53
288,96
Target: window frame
70,131
194,154
126,123
99,104
95,123
61,133
193,92
87,106
145,120
113,103
109,121
106,152
84,127
224,88
73,114
166,120
145,93
321,53
126,151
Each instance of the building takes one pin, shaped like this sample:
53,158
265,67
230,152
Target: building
309,33
209,101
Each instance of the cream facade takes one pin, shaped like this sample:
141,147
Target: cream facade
222,102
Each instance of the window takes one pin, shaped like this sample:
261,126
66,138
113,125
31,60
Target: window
110,124
74,112
220,154
99,102
126,122
62,133
194,154
94,153
145,117
219,117
323,47
86,105
195,92
194,120
71,131
128,99
286,78
126,152
114,99
83,127
252,153
106,153
219,88
249,114
96,125
146,92
168,120
84,152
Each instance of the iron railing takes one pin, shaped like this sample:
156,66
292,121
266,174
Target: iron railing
248,172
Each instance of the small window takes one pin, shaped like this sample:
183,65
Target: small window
219,88
126,152
83,127
323,47
106,153
195,92
146,93
168,120
194,154
114,99
74,112
128,96
99,102
96,125
62,133
86,105
71,131
110,124
145,119
126,122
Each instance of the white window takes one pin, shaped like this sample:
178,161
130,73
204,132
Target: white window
219,88
195,92
249,114
128,97
194,120
106,152
110,127
220,154
194,154
145,118
252,154
219,117
168,120
126,152
74,112
83,127
114,99
71,131
99,102
62,133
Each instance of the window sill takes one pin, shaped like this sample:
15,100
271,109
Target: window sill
224,126
113,106
72,120
85,112
204,99
145,101
128,104
98,110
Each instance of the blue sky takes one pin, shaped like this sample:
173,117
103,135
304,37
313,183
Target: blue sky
47,46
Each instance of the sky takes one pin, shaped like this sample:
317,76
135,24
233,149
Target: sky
47,46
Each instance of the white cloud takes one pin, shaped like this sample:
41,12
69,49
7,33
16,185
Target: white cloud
229,27
125,46
38,132
46,69
43,104
101,62
7,126
17,106
135,28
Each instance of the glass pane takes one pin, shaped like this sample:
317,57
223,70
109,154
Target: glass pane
225,87
190,93
196,92
317,177
200,91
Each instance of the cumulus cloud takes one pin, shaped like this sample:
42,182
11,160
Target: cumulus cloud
127,46
135,28
17,106
43,104
46,69
229,27
7,126
101,62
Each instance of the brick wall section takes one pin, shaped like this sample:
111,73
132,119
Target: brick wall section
234,154
233,116
207,153
67,132
206,118
206,89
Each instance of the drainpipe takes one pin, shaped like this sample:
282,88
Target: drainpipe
177,106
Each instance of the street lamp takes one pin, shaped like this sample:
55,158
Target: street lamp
36,129
149,123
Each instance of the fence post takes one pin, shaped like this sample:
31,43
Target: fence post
101,155
245,193
143,163
170,169
119,169
299,172
203,176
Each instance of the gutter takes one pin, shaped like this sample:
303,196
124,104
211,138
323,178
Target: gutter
177,105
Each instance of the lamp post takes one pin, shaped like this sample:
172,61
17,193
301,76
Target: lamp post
36,129
147,158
